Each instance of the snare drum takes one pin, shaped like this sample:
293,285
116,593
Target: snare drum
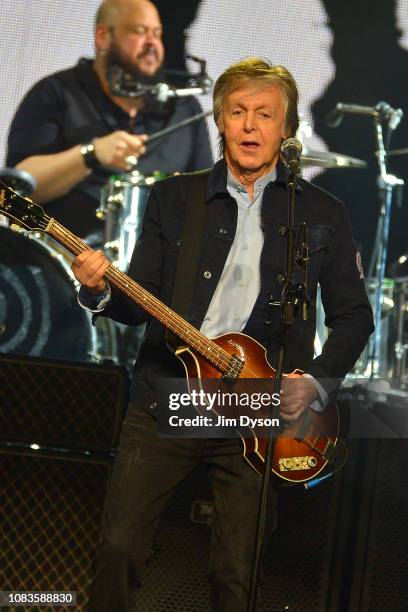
122,206
39,312
383,368
362,369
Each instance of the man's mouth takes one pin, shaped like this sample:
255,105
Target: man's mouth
250,145
149,52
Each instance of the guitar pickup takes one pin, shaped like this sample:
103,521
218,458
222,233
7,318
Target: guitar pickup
291,464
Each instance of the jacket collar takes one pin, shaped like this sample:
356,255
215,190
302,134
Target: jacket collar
217,181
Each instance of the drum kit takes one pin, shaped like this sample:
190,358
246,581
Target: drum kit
39,314
121,207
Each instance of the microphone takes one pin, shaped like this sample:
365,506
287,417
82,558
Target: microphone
382,111
291,150
163,92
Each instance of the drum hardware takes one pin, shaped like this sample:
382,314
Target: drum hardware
21,181
111,250
362,369
400,371
386,323
399,269
122,206
388,185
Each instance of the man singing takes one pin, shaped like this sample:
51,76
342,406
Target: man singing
240,265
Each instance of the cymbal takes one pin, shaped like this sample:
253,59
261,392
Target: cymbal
328,159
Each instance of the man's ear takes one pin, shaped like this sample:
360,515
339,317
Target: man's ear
102,37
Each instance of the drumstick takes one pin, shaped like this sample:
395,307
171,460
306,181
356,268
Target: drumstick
176,126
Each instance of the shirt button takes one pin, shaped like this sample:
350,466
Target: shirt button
207,274
243,283
153,406
236,318
223,231
244,246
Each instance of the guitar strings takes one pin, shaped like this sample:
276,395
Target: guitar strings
221,358
215,355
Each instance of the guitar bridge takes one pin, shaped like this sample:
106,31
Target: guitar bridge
234,368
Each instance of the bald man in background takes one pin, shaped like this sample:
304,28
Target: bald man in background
71,133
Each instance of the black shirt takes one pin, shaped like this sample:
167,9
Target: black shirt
69,108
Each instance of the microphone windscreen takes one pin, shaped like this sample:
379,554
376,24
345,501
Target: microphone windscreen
290,144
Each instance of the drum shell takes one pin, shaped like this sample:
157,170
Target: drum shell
362,368
123,203
39,311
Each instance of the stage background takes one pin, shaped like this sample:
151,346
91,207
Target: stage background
353,51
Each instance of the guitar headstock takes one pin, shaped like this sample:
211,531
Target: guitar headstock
22,210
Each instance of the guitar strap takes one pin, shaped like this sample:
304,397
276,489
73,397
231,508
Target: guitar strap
190,247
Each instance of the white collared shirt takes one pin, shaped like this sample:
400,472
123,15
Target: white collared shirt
240,282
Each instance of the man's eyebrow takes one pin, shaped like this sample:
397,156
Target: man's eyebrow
137,24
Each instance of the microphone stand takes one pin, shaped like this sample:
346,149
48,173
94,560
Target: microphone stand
386,184
291,299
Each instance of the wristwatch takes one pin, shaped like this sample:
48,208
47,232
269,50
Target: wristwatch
88,155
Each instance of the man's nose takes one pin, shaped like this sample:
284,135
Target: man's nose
249,124
150,37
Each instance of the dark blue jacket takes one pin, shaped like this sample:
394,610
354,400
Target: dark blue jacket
332,264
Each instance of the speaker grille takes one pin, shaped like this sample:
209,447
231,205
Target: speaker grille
50,518
385,584
61,404
176,576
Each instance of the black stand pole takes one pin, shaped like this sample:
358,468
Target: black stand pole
289,305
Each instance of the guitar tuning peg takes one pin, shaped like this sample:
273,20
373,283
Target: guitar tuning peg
16,228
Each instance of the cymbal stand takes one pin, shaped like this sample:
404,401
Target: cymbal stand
387,184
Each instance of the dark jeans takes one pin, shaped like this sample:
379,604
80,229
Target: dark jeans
146,473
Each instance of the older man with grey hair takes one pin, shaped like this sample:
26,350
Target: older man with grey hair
240,264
